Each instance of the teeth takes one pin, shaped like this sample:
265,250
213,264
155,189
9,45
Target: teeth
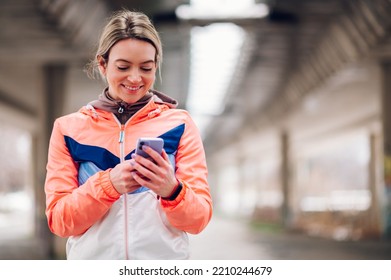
131,88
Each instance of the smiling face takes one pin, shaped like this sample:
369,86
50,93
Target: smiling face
130,69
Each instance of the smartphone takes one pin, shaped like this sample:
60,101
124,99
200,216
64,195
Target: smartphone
153,142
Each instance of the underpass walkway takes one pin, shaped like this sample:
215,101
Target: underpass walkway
235,239
226,238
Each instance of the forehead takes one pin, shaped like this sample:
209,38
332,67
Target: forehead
133,50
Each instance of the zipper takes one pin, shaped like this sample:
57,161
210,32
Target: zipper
121,140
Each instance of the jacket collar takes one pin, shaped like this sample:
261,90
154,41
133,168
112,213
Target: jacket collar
153,108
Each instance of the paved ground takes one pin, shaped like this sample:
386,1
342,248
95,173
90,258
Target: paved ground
231,239
228,239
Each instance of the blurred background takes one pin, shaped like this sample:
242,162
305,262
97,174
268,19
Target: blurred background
292,98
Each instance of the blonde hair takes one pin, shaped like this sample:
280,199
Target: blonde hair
125,24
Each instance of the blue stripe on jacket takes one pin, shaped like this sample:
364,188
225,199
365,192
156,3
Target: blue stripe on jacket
92,159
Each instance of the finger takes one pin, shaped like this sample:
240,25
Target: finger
155,156
165,156
146,168
142,180
139,159
145,162
130,162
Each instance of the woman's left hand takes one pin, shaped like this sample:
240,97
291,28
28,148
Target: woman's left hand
155,173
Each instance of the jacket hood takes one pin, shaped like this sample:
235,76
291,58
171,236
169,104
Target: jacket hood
162,98
152,103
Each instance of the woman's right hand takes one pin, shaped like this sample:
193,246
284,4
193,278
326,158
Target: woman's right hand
122,179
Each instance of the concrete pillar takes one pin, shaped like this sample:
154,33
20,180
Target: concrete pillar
285,172
242,183
374,228
213,181
54,83
386,121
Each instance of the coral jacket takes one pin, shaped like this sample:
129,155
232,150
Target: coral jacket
82,204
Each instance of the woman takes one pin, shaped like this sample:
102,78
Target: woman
111,203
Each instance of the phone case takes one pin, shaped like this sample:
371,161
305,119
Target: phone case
154,143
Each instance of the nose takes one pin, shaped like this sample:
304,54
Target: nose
134,76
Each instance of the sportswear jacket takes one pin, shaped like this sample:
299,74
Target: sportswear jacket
83,205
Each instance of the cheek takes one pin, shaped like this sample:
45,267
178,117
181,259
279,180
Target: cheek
150,78
113,76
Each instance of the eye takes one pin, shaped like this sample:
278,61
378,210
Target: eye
146,69
122,68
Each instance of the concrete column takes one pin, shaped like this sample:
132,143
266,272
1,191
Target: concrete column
213,181
386,121
242,182
285,172
51,103
374,228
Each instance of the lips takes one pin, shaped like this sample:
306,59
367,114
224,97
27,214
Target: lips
132,88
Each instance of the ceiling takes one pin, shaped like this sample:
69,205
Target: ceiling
279,53
274,46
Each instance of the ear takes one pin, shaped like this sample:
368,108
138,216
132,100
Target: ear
102,65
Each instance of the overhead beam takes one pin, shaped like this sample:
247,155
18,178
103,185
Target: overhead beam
80,21
347,40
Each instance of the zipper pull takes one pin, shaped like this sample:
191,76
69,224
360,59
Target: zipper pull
121,135
120,109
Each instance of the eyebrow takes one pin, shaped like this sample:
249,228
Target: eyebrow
124,60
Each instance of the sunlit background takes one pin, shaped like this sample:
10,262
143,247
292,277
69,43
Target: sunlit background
215,53
16,192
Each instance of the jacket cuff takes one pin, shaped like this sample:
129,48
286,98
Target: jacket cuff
174,194
107,186
180,192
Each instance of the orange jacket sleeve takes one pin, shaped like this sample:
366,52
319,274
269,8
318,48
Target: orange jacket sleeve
71,209
191,211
